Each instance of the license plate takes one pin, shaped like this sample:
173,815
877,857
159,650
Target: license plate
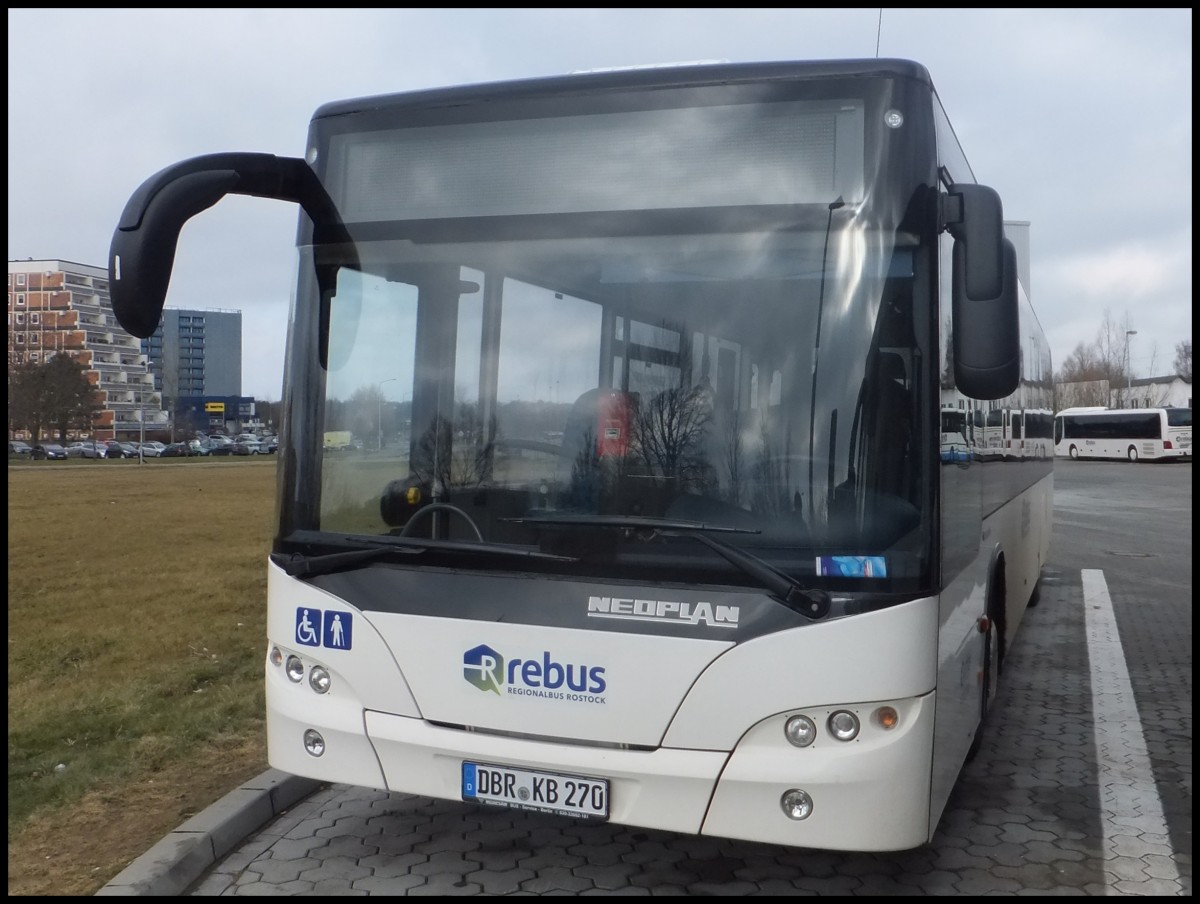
542,792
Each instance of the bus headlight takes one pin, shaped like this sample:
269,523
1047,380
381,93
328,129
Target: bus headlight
800,731
276,656
318,679
294,669
843,725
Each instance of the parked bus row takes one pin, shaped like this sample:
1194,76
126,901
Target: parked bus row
993,434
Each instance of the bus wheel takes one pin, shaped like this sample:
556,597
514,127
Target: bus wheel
998,615
1075,453
989,680
1133,456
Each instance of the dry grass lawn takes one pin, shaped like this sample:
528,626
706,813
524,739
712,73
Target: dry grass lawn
136,641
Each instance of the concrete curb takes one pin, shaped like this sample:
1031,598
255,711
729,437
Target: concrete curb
179,859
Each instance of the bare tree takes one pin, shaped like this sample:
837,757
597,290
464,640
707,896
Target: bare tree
1183,359
733,455
1099,373
1083,365
668,434
1082,380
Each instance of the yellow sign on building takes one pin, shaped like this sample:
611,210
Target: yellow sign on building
214,407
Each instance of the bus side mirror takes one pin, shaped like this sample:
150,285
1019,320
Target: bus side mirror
984,296
142,252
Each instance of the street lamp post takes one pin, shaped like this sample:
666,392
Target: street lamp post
1125,401
379,416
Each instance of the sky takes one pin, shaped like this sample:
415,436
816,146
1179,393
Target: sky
1080,119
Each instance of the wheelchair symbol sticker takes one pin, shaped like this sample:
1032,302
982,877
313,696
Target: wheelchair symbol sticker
315,628
308,627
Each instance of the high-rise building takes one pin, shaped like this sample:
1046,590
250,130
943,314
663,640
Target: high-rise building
60,307
196,353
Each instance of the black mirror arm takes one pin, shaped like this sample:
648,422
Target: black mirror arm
142,253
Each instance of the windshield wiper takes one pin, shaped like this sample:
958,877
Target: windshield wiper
627,522
780,587
303,566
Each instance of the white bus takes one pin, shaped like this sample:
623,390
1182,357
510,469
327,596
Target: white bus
1136,434
1017,433
657,530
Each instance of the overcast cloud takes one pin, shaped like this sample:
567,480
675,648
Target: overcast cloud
1081,119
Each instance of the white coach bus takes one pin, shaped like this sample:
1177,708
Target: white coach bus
1135,434
656,527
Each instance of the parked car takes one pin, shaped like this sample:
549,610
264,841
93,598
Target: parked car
18,449
114,449
217,447
49,452
269,444
86,449
152,448
175,450
246,447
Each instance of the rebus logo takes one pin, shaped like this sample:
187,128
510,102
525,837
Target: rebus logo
488,670
484,668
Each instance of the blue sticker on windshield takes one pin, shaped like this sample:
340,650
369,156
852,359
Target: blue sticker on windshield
852,566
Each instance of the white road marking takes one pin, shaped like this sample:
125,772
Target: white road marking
1132,819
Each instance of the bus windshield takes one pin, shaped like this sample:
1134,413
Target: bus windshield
596,314
677,376
667,307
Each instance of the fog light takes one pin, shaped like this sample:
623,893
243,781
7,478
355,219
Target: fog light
313,742
318,679
886,717
796,804
276,656
800,731
843,725
294,669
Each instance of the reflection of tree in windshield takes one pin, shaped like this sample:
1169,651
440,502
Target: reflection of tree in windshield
668,436
453,454
772,477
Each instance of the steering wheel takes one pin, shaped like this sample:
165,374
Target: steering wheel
441,507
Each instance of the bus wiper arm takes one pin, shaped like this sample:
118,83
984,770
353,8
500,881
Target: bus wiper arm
627,522
782,588
313,566
812,603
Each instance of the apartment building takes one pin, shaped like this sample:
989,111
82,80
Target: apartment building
195,353
61,307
